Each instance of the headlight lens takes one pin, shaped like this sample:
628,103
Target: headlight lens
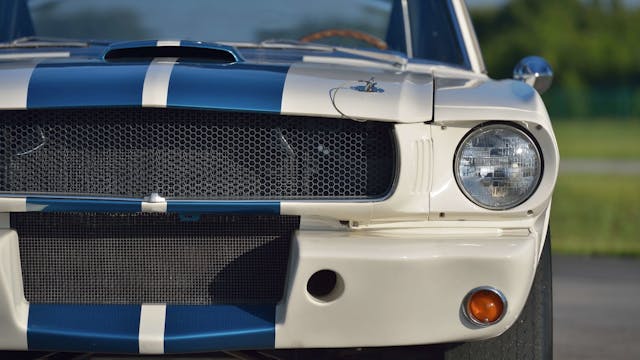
498,166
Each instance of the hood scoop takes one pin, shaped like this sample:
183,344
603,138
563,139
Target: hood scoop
187,50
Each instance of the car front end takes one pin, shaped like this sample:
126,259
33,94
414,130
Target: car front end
171,196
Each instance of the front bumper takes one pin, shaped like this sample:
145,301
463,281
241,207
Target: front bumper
400,287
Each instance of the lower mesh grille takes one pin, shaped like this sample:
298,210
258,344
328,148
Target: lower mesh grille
94,258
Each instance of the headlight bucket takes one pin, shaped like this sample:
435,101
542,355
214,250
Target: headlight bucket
498,166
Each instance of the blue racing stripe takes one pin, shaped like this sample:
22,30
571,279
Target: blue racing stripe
224,207
83,205
219,327
238,86
86,84
84,328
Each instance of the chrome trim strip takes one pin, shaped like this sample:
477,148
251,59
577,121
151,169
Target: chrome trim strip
35,55
475,44
455,20
162,43
406,20
156,207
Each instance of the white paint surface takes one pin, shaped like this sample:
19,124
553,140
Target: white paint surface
156,82
152,320
14,84
14,309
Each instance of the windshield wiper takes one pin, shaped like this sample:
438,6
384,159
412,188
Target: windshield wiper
39,42
388,58
293,44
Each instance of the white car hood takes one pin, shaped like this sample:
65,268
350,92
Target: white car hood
338,90
416,94
467,96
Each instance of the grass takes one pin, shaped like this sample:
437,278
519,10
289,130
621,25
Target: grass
596,215
598,139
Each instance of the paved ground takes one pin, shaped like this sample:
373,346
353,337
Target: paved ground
596,308
597,300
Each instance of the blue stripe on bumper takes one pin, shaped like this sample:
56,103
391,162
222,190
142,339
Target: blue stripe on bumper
115,328
86,84
84,328
219,327
214,86
224,207
71,204
82,205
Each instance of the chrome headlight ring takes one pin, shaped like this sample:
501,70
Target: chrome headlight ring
498,166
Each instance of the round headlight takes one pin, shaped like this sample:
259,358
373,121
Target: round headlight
498,166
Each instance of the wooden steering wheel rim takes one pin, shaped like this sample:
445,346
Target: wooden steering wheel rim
355,34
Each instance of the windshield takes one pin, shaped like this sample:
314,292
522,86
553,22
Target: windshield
233,21
432,29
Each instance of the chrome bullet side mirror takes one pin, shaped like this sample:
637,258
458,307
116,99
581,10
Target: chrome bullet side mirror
534,71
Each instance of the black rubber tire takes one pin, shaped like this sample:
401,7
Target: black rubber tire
531,337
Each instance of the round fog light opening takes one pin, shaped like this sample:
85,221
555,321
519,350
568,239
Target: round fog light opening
325,285
485,306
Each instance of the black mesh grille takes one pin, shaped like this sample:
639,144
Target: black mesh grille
193,154
153,258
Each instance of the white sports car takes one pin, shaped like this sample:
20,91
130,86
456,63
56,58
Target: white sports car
282,179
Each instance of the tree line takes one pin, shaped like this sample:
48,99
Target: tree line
588,42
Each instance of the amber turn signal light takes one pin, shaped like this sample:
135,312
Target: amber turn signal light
485,306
